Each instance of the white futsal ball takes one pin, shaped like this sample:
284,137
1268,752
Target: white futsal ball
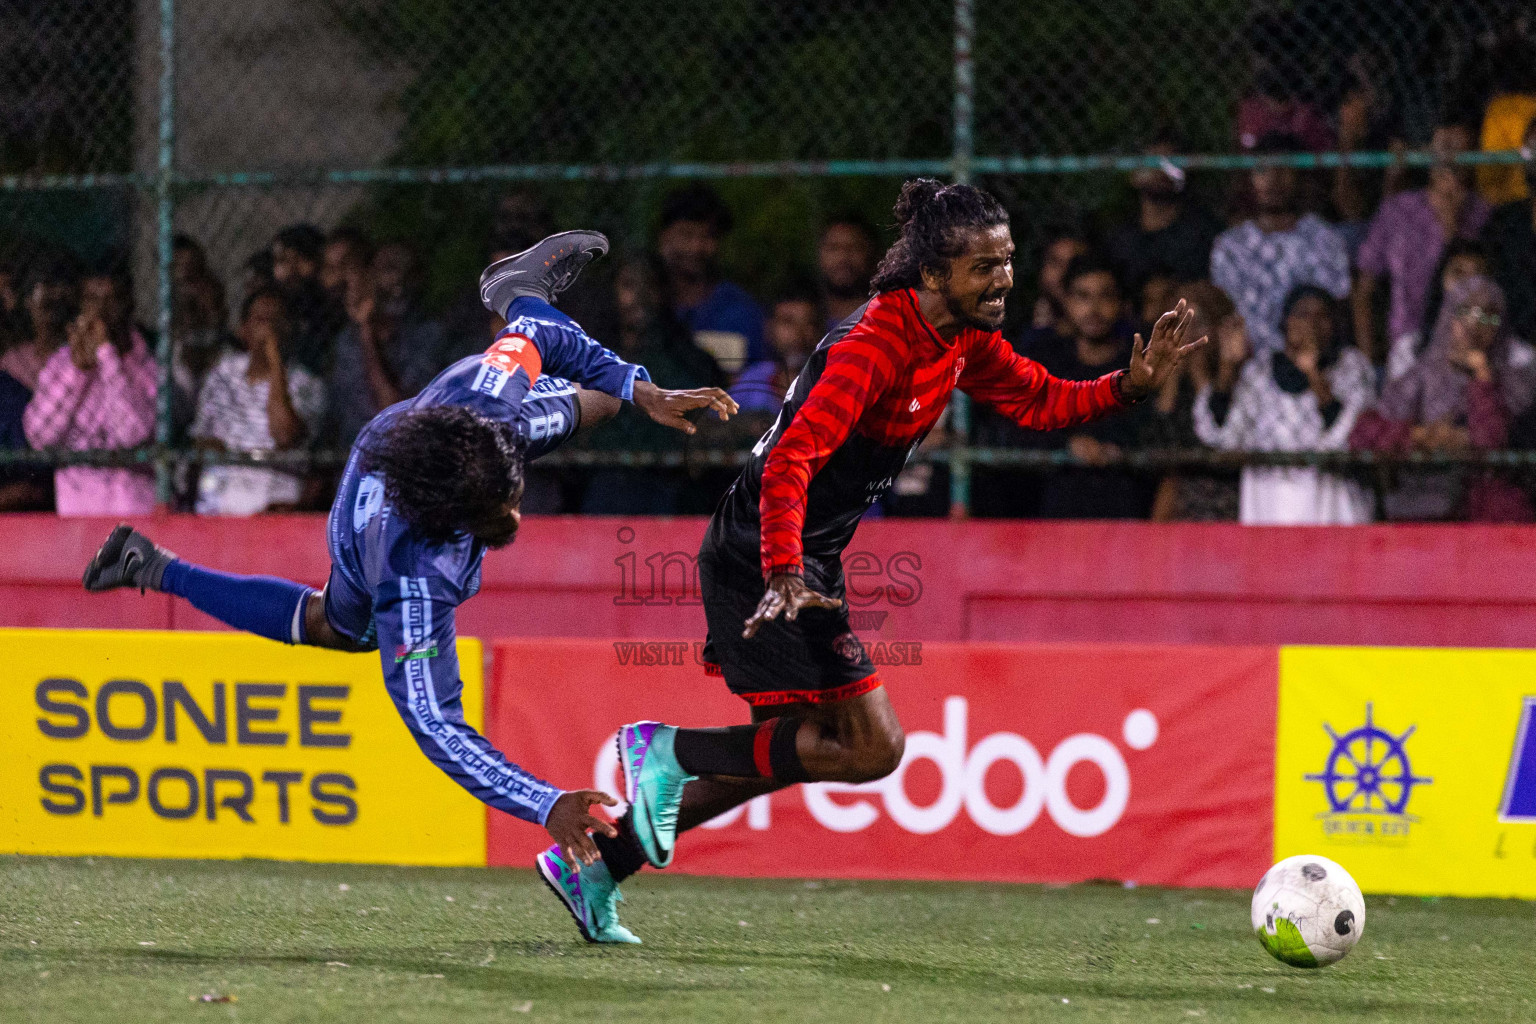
1308,912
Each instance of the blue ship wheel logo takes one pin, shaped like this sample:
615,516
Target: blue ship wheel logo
1368,771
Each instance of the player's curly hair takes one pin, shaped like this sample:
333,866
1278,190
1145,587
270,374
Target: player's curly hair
934,219
446,468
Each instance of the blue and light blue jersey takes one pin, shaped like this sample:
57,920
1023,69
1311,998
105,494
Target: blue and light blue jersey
392,587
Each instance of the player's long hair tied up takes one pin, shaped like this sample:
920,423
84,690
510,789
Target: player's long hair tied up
446,468
934,219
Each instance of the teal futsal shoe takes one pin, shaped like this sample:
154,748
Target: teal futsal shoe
653,784
591,895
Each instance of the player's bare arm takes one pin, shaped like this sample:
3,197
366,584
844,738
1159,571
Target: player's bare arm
667,407
1153,362
786,595
594,408
571,823
671,408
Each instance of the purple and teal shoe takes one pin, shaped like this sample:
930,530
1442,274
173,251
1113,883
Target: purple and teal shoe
590,895
653,785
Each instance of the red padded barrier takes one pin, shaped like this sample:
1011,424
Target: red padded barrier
1024,763
911,579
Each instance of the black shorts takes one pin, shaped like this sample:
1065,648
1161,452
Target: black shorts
816,659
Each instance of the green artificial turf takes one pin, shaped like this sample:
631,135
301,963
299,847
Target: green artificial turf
85,940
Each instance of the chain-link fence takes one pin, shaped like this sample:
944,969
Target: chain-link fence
449,125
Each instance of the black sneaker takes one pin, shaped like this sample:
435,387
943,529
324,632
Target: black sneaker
543,271
127,559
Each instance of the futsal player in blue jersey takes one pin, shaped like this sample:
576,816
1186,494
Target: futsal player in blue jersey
431,485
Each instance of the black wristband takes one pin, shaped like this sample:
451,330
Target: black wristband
1117,385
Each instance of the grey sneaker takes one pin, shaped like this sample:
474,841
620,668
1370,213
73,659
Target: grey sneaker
127,559
543,271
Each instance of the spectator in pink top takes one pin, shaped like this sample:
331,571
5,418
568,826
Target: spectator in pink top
98,391
1462,395
1281,99
1407,237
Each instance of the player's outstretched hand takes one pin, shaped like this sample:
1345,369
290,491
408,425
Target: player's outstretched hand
670,408
570,819
1153,362
786,595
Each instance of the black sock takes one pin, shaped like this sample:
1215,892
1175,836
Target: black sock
761,750
783,752
622,854
727,751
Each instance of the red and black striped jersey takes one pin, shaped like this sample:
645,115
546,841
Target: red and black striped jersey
867,397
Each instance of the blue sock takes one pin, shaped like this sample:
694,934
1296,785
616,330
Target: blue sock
265,605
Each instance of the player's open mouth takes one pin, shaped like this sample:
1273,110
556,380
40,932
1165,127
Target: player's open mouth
993,303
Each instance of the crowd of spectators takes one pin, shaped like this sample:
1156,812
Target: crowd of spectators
324,329
1396,329
1345,313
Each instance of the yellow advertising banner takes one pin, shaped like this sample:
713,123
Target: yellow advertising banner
1414,768
180,744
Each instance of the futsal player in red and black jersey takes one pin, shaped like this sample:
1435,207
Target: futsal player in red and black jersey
770,566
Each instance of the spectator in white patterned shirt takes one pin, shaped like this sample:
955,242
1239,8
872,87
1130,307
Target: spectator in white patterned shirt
1302,398
1261,261
256,400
